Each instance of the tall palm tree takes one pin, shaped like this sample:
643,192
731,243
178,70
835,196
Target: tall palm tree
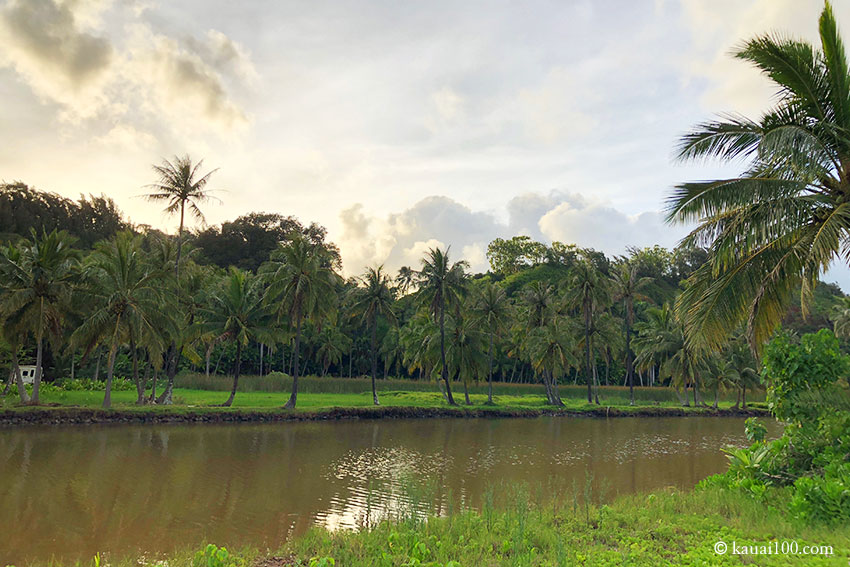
741,368
126,295
441,284
332,344
540,307
627,287
38,280
551,352
301,285
780,223
588,290
235,313
181,185
10,261
373,300
492,309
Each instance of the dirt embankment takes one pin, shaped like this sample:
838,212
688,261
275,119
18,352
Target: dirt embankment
80,416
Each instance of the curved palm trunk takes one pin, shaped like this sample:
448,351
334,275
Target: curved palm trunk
22,389
556,396
236,368
152,398
107,397
744,397
140,386
445,370
587,351
374,358
630,370
490,372
466,393
293,398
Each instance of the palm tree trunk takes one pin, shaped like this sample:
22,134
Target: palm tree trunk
236,368
97,366
555,392
179,239
744,397
22,389
293,398
445,369
152,398
490,372
110,365
374,358
140,387
630,370
466,393
587,350
737,399
208,355
38,359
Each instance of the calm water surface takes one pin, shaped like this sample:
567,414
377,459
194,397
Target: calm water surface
71,492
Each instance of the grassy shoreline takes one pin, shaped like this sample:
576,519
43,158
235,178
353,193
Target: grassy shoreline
200,406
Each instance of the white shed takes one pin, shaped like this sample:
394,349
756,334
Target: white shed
27,373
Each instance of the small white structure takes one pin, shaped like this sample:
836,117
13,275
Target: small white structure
27,373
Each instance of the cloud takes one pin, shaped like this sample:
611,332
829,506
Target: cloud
44,43
403,238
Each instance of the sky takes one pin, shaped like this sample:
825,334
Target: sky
397,125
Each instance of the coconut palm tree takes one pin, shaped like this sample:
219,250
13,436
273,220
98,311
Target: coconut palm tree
127,299
301,286
741,367
492,309
373,300
38,281
539,306
181,185
332,345
235,313
406,277
779,224
551,352
441,285
588,290
841,318
627,287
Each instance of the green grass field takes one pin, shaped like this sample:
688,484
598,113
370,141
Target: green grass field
270,393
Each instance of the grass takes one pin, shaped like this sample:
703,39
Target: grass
518,526
197,400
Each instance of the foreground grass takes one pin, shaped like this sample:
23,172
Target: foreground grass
535,528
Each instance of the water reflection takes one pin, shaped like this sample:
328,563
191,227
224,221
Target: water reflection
72,492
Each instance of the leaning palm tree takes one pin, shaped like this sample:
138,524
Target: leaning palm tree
375,299
588,290
181,185
492,309
127,299
38,281
301,285
786,218
627,287
441,285
235,313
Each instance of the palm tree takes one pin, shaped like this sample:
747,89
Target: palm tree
301,285
540,307
841,318
38,281
406,277
441,284
741,368
374,299
628,287
589,291
551,353
493,310
332,345
787,216
235,313
180,185
126,295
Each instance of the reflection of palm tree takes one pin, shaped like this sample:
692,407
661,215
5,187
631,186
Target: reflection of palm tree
301,286
441,284
783,221
37,284
373,300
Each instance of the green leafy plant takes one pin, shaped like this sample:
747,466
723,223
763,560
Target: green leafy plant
214,556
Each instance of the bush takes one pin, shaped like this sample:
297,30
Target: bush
823,498
87,384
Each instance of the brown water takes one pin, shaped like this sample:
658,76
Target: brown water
72,492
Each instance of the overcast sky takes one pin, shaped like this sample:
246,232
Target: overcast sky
398,125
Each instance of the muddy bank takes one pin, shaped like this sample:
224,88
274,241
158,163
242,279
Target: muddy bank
80,416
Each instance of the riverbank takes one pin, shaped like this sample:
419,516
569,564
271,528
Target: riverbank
198,406
706,527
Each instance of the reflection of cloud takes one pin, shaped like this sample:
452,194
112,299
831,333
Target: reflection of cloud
403,238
